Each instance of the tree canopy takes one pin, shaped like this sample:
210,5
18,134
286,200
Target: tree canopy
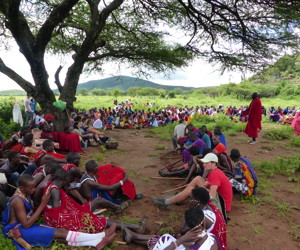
236,33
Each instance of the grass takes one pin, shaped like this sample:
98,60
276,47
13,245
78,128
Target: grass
130,220
166,230
283,208
152,155
149,136
146,180
160,147
257,229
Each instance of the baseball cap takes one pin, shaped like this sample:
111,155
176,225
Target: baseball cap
210,157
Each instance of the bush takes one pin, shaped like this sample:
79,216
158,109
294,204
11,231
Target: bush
278,133
7,130
295,141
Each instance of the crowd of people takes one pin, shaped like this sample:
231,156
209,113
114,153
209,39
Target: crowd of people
40,181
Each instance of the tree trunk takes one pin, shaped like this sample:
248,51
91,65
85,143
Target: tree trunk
61,117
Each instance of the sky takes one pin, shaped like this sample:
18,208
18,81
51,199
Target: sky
197,74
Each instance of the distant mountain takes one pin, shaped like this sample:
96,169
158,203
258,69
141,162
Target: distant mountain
123,83
12,92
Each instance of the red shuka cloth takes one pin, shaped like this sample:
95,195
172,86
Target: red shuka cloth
254,118
70,142
110,174
72,216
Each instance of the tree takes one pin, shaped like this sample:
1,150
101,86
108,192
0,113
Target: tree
98,92
116,93
83,92
93,32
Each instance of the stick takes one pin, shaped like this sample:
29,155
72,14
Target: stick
99,211
12,186
170,190
120,242
167,178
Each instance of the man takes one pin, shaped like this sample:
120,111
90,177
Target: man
194,141
216,182
178,133
218,132
28,111
19,218
254,118
218,146
47,153
205,137
245,180
14,168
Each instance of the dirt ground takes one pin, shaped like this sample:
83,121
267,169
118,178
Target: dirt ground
271,222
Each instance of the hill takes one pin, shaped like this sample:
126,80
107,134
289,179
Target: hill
123,83
12,92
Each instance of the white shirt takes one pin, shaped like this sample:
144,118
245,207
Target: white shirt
98,124
179,130
27,105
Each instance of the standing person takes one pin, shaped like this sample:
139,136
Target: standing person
28,111
254,118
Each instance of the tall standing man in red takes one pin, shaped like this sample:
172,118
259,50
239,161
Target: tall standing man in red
254,118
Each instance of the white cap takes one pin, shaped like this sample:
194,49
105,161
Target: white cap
210,157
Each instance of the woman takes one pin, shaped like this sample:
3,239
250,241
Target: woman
28,148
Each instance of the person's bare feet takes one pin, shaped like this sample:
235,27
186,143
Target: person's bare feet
127,234
106,241
111,230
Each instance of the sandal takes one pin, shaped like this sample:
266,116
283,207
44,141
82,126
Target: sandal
142,225
124,205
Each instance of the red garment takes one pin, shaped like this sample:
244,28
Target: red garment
218,178
220,148
110,174
68,166
71,215
210,134
254,118
70,142
296,124
219,229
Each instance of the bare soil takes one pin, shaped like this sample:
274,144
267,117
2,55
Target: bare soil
260,225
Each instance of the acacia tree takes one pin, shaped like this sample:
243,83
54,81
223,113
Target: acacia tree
237,33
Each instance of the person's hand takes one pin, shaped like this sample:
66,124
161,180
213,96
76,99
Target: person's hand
45,199
181,184
56,145
190,236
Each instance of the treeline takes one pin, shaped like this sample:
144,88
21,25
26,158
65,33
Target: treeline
281,79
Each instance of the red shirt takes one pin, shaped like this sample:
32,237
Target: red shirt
218,178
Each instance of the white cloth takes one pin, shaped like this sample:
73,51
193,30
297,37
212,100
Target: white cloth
165,241
98,124
17,114
210,215
3,179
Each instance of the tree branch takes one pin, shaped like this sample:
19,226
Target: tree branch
27,86
57,81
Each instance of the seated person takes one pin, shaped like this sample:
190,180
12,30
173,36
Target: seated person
214,220
15,142
28,149
14,168
181,170
205,137
218,132
41,172
218,146
195,238
48,153
216,182
112,178
38,141
195,141
245,180
179,134
63,211
19,216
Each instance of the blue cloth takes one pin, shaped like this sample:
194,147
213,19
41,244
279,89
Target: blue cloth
37,235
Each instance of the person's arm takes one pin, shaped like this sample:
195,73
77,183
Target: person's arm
96,185
213,191
189,236
20,211
55,197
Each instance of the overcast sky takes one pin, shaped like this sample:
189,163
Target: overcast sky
198,74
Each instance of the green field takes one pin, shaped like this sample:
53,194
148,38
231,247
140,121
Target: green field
87,102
